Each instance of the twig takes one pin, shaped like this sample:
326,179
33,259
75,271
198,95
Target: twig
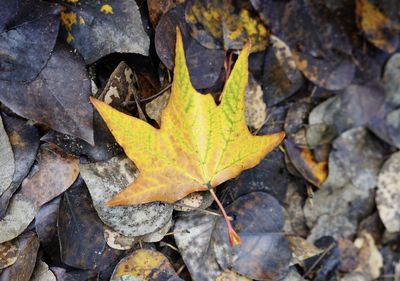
169,245
180,269
208,212
159,93
331,246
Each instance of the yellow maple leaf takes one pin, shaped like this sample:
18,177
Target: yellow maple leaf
199,145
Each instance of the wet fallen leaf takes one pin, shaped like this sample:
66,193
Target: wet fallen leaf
321,120
359,105
388,193
156,106
392,122
118,241
296,118
157,8
301,249
89,26
391,80
119,88
63,274
200,199
281,78
336,226
80,232
348,201
334,73
22,269
28,32
229,275
7,165
325,265
204,73
370,259
295,222
204,65
8,253
18,216
54,173
144,264
348,255
118,92
269,176
255,109
390,261
105,180
42,272
370,61
58,96
293,275
360,155
46,228
264,253
24,139
192,233
210,145
158,235
312,38
165,37
304,161
377,27
225,25
356,106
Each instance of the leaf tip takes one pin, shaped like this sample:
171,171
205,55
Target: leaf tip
179,50
113,202
281,136
123,199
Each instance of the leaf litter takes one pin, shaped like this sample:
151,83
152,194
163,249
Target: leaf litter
329,79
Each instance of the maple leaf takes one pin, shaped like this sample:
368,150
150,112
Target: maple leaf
199,145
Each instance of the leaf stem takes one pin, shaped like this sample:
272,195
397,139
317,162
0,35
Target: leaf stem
234,238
